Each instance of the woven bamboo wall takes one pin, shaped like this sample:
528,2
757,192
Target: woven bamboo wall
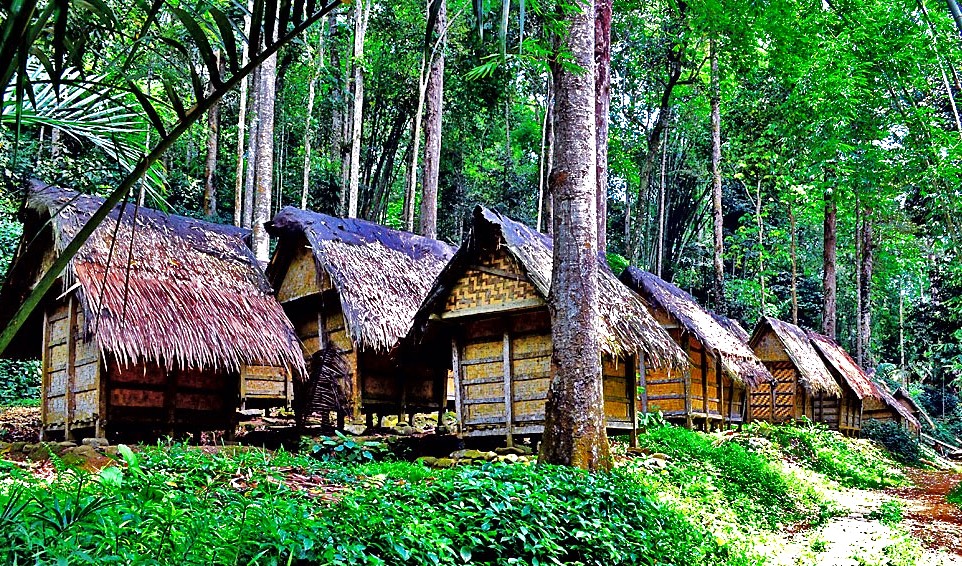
71,371
486,389
496,281
875,409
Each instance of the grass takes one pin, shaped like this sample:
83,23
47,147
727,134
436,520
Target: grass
955,494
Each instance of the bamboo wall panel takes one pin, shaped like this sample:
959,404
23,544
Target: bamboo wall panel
665,391
265,382
499,283
785,391
616,395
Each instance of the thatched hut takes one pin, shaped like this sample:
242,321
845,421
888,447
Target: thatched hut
721,369
867,399
159,323
805,386
490,305
351,288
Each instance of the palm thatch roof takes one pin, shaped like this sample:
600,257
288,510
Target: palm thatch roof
813,375
838,360
173,290
624,324
732,326
738,361
381,275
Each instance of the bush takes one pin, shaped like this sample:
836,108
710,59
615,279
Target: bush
903,445
172,504
955,494
19,383
758,492
839,458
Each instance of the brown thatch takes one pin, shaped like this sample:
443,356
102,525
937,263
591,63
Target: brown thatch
381,275
813,375
186,294
732,326
624,324
843,365
738,362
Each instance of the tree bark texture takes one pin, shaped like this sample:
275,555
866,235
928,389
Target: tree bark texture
311,94
363,10
242,156
829,283
794,253
250,178
574,432
434,98
602,103
865,288
265,157
210,165
718,219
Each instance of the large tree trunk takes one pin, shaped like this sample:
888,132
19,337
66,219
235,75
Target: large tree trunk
242,156
432,130
718,219
574,432
865,288
363,10
828,265
266,92
210,165
602,102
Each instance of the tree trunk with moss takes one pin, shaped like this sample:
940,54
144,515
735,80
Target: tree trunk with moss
574,431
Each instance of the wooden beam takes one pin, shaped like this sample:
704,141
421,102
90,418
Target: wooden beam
631,384
498,272
456,369
44,377
489,309
704,385
643,378
508,410
726,414
688,408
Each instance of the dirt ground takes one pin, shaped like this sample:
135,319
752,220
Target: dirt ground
19,424
935,521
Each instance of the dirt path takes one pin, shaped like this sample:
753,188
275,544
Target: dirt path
935,521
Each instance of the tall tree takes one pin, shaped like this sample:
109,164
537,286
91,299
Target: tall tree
718,218
239,184
602,103
829,283
213,132
574,432
318,63
432,131
866,264
361,13
266,94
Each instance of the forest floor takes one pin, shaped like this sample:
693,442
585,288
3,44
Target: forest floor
926,529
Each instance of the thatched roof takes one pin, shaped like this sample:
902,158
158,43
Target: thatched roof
732,326
381,275
187,293
838,360
813,375
624,324
737,360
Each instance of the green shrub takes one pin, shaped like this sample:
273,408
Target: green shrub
895,439
837,457
758,492
172,504
19,383
889,513
343,448
955,494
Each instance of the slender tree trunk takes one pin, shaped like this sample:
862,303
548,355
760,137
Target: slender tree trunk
265,157
761,243
902,332
432,131
543,158
210,165
866,269
662,191
574,432
828,265
859,351
718,218
602,103
239,184
311,93
549,167
250,178
363,10
794,254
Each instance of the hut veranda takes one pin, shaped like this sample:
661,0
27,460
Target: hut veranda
711,389
159,324
487,319
351,288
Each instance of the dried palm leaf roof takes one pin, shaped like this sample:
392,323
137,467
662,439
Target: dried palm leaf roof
813,375
624,324
737,360
838,360
381,275
186,293
732,326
